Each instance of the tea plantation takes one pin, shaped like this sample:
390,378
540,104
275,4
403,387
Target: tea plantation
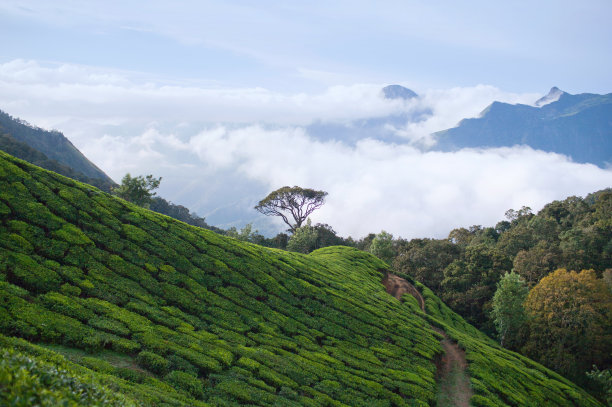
105,303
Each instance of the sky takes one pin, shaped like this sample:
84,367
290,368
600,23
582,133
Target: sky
221,98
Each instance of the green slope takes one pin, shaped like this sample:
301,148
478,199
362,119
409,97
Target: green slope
149,310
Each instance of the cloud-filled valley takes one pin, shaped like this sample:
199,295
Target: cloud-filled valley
220,150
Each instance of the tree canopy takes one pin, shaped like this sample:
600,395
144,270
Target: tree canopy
292,204
571,322
137,190
508,312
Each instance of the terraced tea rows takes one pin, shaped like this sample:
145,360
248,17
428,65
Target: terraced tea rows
162,313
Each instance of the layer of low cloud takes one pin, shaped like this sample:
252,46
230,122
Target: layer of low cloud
375,185
220,149
372,185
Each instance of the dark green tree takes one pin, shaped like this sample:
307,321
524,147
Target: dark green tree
508,312
292,204
426,259
382,247
470,282
138,190
304,239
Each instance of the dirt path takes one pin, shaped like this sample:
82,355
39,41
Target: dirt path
397,286
454,383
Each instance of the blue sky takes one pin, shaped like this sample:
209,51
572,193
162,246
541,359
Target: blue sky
519,46
220,98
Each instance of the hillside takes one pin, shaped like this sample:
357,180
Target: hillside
579,126
53,144
22,150
137,308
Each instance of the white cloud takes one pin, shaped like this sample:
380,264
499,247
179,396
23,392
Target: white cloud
219,148
49,90
374,185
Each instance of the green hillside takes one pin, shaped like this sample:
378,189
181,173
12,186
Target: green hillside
102,302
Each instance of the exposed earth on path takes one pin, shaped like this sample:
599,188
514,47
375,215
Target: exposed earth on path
454,383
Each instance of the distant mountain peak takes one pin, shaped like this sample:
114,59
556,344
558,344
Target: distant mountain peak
398,92
553,95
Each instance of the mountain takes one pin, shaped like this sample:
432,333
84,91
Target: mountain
103,302
553,95
67,153
379,128
579,126
22,150
398,92
52,144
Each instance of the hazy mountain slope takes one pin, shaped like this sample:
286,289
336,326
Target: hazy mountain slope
579,126
171,314
22,150
53,144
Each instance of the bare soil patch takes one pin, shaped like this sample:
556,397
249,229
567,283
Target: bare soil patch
453,381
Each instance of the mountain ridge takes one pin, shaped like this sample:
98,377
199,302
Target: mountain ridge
578,126
52,144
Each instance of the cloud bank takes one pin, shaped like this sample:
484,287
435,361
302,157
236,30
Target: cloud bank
220,150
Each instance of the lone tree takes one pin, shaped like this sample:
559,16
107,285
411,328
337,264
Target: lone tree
295,202
138,189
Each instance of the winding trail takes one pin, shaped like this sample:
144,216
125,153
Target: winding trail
454,383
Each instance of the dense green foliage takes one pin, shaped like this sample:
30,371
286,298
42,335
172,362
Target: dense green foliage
465,268
138,190
303,239
604,379
508,312
171,314
570,321
27,380
382,246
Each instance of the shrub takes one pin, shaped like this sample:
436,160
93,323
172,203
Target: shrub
185,382
33,275
71,234
130,374
27,381
153,362
69,289
99,365
178,363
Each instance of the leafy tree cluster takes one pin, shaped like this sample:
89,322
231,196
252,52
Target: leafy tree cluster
485,273
138,190
570,322
180,212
